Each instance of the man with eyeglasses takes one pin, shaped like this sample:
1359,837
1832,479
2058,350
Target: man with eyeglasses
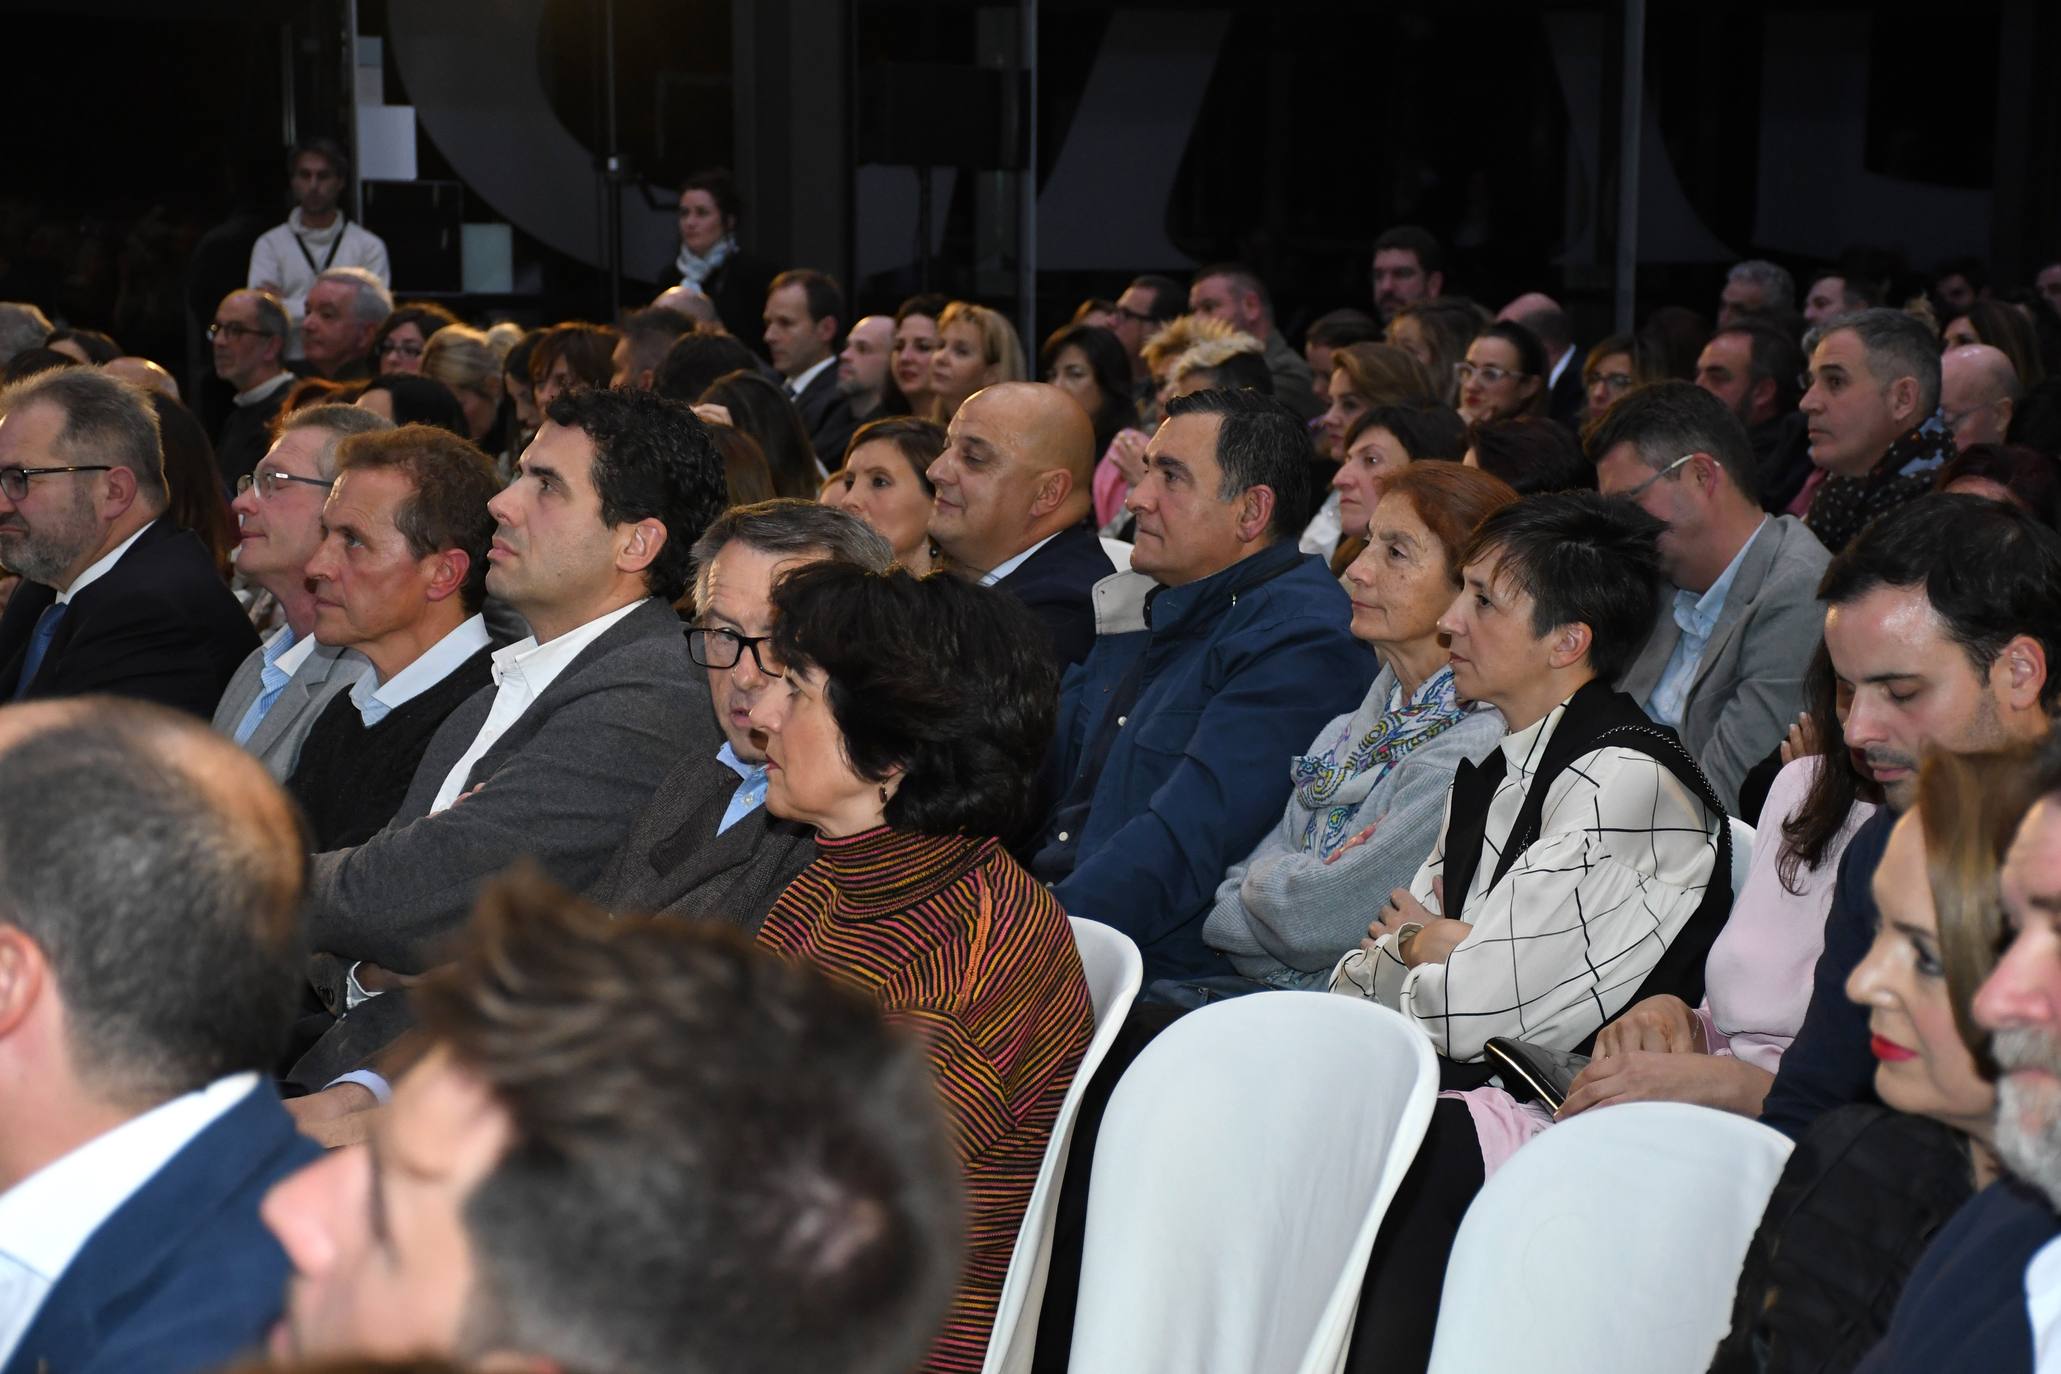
1752,366
248,339
284,684
1979,391
113,598
1871,408
1146,304
706,847
1725,661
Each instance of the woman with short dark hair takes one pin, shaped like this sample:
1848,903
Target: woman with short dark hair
710,259
908,730
404,335
767,413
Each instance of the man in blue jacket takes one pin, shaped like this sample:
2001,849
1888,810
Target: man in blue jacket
1217,659
150,884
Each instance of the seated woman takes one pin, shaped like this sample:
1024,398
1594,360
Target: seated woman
885,482
1868,1186
1090,365
1369,794
910,760
1378,445
976,347
1363,377
1530,452
1503,375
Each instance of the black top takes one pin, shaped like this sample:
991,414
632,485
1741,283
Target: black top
737,289
246,434
1057,583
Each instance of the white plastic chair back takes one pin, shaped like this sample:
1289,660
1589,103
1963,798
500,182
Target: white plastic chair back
1613,1241
1742,855
1114,971
1119,553
1243,1168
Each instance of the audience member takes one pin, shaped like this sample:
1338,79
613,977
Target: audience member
399,578
1436,333
805,314
1369,793
1978,391
1095,310
196,498
22,326
1381,444
143,374
693,306
976,347
862,368
88,346
284,684
1221,653
1753,367
1503,375
1144,308
1724,663
1013,508
912,767
1325,336
636,1146
1614,366
1408,268
149,880
747,480
248,338
2023,476
344,309
1542,315
1959,282
1089,364
521,392
1831,295
764,410
117,599
1871,406
640,348
1232,292
1367,375
31,361
289,259
407,399
2002,327
711,262
1238,362
915,340
1531,453
1674,336
1756,287
575,356
694,363
402,336
885,482
468,361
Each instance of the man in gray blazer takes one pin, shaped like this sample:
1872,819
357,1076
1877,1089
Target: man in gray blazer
1725,662
283,685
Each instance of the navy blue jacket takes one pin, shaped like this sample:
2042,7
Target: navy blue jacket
1964,1306
1057,583
1829,1064
184,1276
1237,674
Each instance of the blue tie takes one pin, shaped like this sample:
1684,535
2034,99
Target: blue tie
39,645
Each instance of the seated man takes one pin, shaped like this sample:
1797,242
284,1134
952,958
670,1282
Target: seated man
149,880
400,578
1014,506
114,597
249,335
1218,656
637,1146
285,682
1723,666
705,846
1872,412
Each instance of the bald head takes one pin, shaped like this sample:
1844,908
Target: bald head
1016,470
1542,315
689,302
1978,390
144,373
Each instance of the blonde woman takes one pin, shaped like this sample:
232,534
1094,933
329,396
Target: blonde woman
976,347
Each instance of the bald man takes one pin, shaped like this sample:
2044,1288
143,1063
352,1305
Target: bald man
150,885
1542,315
1978,391
1014,509
144,373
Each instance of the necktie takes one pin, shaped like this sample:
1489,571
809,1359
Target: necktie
39,645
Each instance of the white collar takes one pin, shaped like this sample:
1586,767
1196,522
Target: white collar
295,654
317,236
430,667
801,383
1523,749
97,569
263,389
1553,379
1010,565
539,665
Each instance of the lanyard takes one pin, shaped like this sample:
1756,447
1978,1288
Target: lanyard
344,223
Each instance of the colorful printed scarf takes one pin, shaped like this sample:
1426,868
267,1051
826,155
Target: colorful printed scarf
1330,786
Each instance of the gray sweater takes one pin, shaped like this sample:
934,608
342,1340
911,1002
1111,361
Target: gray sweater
1283,915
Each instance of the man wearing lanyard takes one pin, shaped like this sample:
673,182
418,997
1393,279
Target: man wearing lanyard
317,234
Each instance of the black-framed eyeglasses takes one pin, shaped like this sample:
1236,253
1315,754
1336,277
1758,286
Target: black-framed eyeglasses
234,330
407,348
723,648
1124,312
268,481
15,481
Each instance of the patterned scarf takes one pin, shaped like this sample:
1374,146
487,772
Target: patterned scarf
695,269
1844,506
1331,786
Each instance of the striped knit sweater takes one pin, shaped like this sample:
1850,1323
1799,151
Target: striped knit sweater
960,945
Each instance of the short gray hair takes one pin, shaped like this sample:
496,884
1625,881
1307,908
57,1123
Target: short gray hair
789,526
1777,287
106,420
1896,343
22,327
373,302
338,422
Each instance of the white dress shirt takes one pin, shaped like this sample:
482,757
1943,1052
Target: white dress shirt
47,1218
375,699
1563,942
1010,565
800,384
99,568
2043,1307
263,389
523,672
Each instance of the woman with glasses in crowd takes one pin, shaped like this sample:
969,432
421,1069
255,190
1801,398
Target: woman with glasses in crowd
404,335
1503,374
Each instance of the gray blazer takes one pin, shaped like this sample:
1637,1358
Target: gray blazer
276,742
1748,687
559,788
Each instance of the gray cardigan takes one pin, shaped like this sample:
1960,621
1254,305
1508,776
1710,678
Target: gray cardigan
1285,916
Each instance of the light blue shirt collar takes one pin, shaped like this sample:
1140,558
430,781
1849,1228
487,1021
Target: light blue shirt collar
1698,615
751,790
375,699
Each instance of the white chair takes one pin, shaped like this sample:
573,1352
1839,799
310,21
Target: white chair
1119,553
1742,854
1613,1241
1114,971
1243,1168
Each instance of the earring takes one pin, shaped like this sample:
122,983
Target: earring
883,794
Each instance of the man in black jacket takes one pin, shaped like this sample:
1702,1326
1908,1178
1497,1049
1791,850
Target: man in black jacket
116,598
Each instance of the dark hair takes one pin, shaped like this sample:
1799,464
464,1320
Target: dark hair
1168,299
1985,599
1664,420
745,474
2004,328
452,481
824,296
1836,786
1262,443
1384,374
694,1118
426,318
160,874
1112,369
951,682
2036,420
1342,328
419,400
1531,453
517,362
1452,501
722,189
194,498
919,441
328,149
1775,355
694,362
1240,276
653,459
1531,354
1093,305
588,349
928,304
31,361
1582,559
791,527
652,332
1412,239
2032,478
1676,334
767,413
1244,370
101,348
1425,432
1968,267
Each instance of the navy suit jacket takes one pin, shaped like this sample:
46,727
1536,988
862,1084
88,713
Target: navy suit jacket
1058,584
158,625
184,1276
826,413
